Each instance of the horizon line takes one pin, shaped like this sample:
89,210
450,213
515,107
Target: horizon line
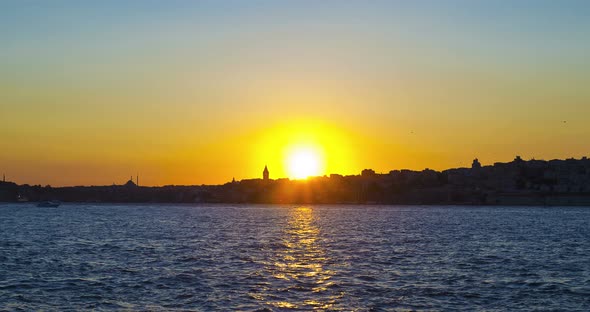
327,175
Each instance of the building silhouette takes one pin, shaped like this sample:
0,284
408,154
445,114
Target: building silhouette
130,183
265,174
476,164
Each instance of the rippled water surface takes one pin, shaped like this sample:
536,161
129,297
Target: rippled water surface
364,258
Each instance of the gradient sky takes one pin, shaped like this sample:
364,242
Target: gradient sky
192,92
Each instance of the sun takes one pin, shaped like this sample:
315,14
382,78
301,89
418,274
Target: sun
304,162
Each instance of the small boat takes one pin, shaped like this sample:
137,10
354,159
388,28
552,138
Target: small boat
49,203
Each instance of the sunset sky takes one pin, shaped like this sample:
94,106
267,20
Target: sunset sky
199,92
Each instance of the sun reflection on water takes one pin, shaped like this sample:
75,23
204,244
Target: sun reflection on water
299,267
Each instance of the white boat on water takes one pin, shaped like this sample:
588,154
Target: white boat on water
49,203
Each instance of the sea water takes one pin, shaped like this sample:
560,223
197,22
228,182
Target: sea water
279,258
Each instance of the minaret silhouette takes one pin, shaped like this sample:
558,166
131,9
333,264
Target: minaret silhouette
137,179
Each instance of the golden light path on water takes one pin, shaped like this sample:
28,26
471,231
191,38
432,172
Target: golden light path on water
298,268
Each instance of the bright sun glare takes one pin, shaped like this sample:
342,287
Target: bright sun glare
303,163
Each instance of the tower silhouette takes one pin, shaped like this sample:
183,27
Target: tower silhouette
265,173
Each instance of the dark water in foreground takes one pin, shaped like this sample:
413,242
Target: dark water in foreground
365,258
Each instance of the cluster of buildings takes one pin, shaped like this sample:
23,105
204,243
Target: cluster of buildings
519,182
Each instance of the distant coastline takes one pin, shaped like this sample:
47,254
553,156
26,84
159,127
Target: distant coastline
519,182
